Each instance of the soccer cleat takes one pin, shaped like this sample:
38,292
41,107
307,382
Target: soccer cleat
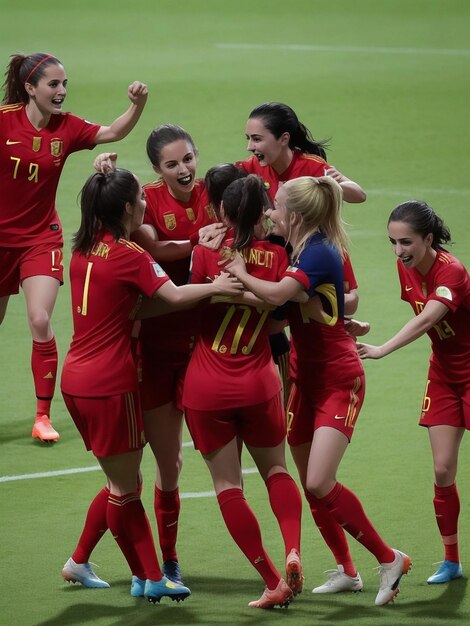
155,590
390,574
448,570
294,576
82,573
171,569
43,430
281,596
339,581
137,587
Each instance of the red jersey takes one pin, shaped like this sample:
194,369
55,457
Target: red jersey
31,162
350,281
106,287
302,164
174,220
231,365
322,352
448,282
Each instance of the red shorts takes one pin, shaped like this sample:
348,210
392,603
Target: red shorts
259,425
109,426
445,404
337,407
162,379
19,263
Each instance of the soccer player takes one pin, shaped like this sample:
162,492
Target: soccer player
36,138
177,209
232,393
109,275
437,286
283,149
327,388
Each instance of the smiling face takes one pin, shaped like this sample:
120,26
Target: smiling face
50,92
177,167
278,216
264,145
411,248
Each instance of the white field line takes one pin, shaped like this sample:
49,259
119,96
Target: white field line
462,52
94,468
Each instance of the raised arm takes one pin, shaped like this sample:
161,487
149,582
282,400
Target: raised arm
122,126
432,313
352,192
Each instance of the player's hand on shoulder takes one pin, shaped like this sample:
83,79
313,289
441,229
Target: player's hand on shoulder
105,162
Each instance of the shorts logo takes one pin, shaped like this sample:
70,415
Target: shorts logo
340,417
408,288
170,221
57,146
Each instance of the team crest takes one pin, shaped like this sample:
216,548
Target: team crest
36,144
57,146
170,221
210,212
190,214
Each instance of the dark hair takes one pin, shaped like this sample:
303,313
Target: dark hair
280,118
423,220
217,179
244,202
22,69
103,201
164,135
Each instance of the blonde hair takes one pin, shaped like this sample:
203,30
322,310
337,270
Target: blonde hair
318,202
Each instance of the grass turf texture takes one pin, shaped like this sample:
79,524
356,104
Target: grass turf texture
388,81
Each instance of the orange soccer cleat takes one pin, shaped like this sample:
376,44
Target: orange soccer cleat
43,429
281,596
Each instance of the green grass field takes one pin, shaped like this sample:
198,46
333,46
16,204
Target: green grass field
388,80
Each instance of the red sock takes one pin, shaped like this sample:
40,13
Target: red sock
94,528
44,360
347,510
167,510
244,528
447,508
131,529
332,533
286,503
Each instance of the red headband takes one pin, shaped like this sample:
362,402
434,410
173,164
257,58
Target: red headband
49,56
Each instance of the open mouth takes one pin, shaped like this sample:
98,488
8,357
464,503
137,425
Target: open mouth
259,156
406,260
185,180
57,101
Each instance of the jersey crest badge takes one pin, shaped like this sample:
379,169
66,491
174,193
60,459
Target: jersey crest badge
170,221
36,144
210,212
190,214
57,146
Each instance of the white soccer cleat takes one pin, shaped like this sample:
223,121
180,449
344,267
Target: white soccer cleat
338,581
82,573
390,575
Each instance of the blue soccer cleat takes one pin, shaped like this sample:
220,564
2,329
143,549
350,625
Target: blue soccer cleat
155,590
448,570
171,569
137,587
